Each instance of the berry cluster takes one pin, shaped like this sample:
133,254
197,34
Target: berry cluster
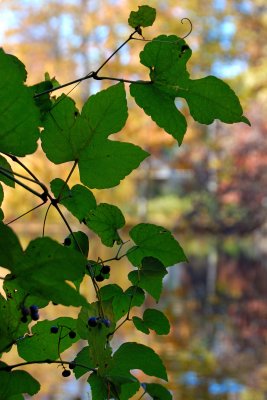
32,311
97,321
104,271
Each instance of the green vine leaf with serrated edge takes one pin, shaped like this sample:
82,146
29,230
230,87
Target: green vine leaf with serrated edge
208,98
103,163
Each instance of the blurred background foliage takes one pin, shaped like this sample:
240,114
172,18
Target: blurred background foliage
211,192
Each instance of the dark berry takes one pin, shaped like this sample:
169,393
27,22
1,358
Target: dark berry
105,269
54,304
66,373
72,365
35,316
24,319
54,329
72,334
25,311
67,241
99,278
92,321
33,309
106,322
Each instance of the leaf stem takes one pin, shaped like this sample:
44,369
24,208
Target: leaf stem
12,178
66,181
47,361
27,212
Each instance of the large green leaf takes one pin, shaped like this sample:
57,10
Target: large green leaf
10,247
145,16
105,220
136,356
19,116
45,268
43,344
17,382
78,200
208,98
152,319
154,241
84,138
157,391
149,276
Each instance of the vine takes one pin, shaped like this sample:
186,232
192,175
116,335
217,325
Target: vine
40,273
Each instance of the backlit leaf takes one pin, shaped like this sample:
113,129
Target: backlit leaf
17,382
145,16
154,241
105,220
19,116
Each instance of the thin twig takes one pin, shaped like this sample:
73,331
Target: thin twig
12,178
59,197
27,212
47,361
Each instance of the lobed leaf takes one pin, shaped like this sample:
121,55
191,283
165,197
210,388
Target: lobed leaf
84,138
105,221
83,358
154,241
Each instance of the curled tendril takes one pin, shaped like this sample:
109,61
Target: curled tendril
191,27
169,42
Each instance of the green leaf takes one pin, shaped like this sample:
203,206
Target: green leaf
152,319
99,348
102,162
46,266
105,220
7,168
109,291
11,326
210,98
19,130
160,106
79,242
98,386
140,325
149,276
154,241
78,200
121,303
83,358
10,247
145,16
17,382
157,391
136,356
43,344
